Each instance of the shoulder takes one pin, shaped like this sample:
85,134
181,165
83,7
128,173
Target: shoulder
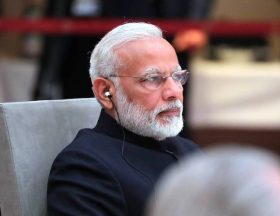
89,147
80,171
82,153
90,141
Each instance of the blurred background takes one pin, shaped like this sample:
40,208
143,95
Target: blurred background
232,49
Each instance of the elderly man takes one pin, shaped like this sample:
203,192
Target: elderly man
111,169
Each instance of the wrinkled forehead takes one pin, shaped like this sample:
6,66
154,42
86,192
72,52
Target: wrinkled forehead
148,55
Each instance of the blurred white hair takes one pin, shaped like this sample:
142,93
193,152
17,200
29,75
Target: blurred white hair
227,181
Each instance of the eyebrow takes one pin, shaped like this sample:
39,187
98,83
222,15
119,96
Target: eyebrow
157,71
152,70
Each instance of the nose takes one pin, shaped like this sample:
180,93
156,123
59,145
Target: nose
172,90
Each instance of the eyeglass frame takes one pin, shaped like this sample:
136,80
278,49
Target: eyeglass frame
159,75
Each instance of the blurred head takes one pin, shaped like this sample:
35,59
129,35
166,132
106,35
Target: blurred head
225,181
140,69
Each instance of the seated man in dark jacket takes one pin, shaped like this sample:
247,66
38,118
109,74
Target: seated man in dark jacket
112,168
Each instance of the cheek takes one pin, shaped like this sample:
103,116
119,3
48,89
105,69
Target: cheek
137,94
149,101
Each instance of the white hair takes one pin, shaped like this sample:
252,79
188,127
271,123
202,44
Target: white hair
226,181
104,61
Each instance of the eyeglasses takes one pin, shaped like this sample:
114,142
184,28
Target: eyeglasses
153,81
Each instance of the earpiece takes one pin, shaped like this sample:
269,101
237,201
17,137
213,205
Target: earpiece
107,94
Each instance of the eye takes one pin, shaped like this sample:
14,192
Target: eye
154,79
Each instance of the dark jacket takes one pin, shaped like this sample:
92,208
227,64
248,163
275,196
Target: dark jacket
109,170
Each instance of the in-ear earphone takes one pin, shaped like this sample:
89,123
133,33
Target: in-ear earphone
107,94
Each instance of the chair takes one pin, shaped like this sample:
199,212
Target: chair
31,135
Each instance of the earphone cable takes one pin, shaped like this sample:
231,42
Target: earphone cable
123,147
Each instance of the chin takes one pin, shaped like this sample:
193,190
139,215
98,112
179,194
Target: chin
167,128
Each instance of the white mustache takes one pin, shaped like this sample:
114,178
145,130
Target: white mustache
171,105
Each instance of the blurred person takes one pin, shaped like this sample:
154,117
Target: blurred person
230,181
111,169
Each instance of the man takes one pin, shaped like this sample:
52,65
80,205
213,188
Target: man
111,169
230,181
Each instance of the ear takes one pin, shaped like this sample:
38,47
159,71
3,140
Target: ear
99,87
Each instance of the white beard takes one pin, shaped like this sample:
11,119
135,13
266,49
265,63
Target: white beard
135,118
